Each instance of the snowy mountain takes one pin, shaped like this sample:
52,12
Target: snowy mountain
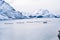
8,12
44,14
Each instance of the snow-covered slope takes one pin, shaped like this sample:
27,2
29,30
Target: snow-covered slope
42,13
9,12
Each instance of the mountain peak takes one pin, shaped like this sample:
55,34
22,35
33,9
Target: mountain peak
8,12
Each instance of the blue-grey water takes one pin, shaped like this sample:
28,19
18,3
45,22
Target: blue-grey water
30,29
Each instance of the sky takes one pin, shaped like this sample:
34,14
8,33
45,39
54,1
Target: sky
32,5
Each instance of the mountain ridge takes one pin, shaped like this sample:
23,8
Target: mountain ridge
8,12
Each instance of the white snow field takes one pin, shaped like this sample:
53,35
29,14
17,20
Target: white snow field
30,29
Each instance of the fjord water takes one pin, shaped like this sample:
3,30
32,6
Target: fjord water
30,29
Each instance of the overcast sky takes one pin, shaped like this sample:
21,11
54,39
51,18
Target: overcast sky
32,5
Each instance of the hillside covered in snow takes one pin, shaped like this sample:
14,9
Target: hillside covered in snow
7,12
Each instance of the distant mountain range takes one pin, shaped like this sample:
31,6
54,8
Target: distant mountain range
7,12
